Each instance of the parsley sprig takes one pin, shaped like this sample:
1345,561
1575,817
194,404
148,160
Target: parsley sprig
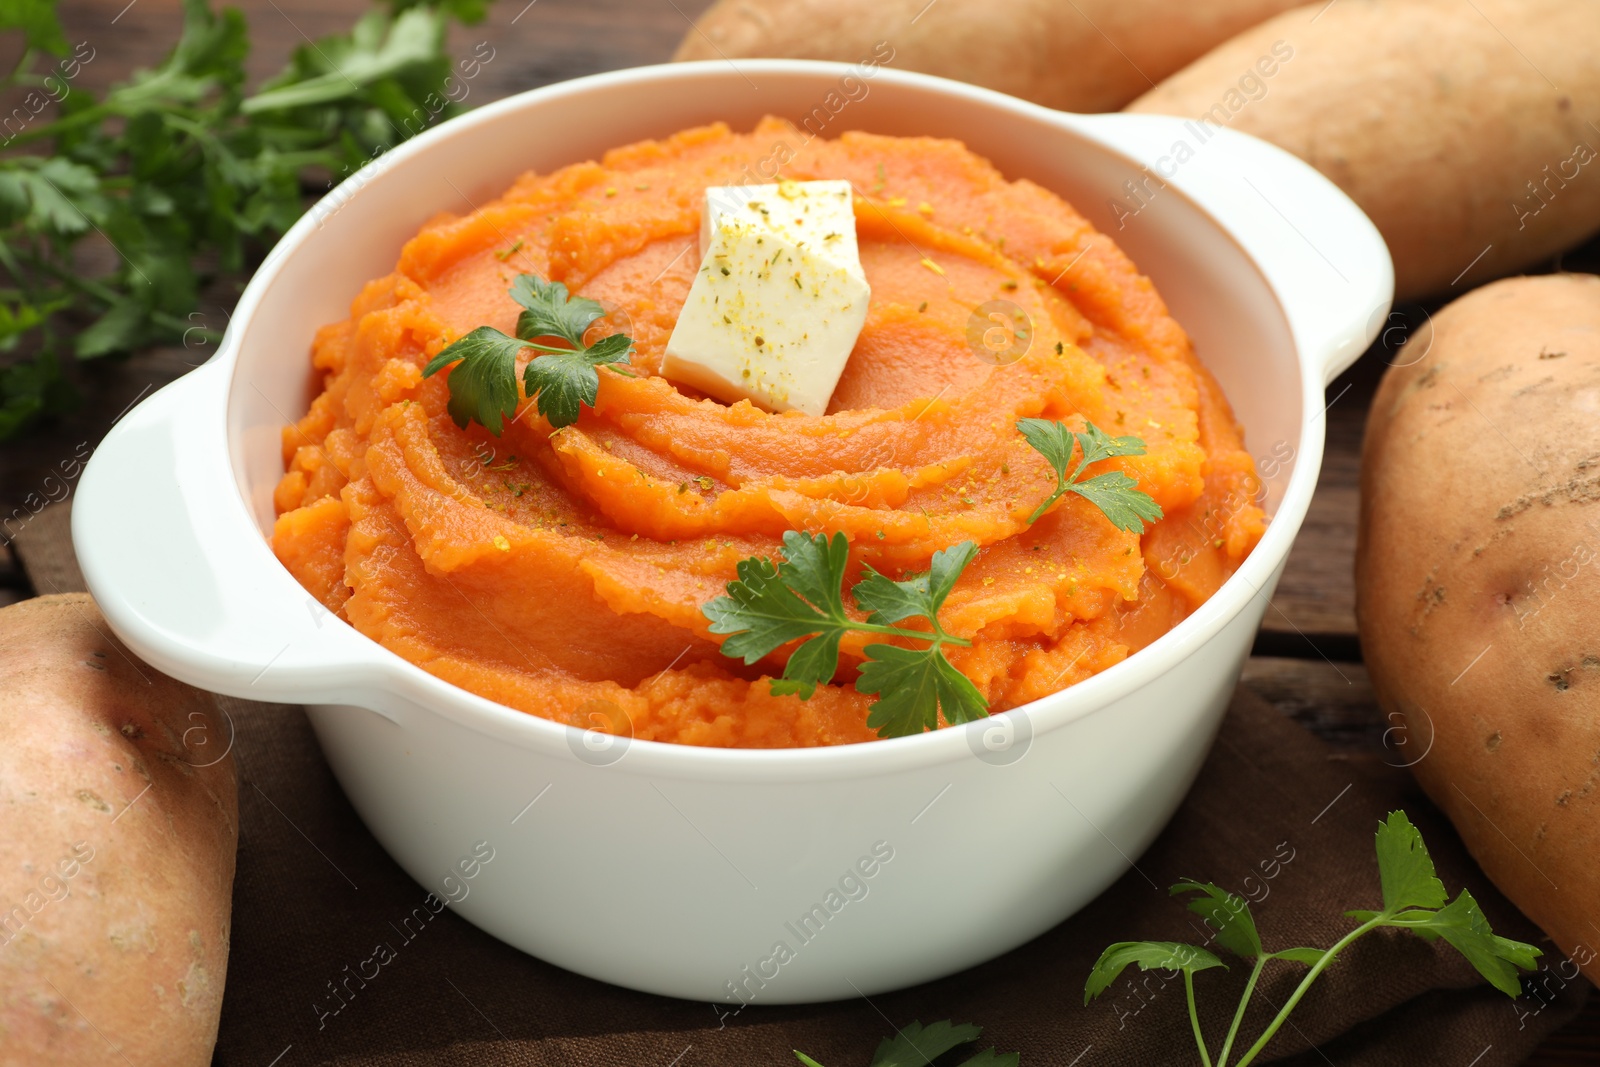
184,176
1413,899
483,386
1114,493
801,598
916,1045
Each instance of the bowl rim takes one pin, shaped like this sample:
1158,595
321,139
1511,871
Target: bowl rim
402,678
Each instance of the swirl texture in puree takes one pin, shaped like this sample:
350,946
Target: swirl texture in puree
562,572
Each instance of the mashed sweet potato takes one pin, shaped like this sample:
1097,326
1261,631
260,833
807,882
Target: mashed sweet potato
562,572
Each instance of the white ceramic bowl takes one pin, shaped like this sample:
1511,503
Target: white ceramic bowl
673,869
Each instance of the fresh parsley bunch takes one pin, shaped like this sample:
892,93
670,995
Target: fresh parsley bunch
483,385
1413,899
801,598
184,176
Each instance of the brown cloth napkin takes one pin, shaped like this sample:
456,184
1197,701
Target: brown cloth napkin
1276,815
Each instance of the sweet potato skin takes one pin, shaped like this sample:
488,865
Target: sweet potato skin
1477,575
1095,55
1471,153
120,804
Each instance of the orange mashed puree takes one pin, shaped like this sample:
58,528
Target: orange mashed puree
562,572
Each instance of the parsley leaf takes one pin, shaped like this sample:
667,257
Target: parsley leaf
1149,955
484,385
772,604
468,11
550,312
37,21
1462,924
30,389
377,49
921,594
1228,913
1098,445
116,331
913,686
801,598
1118,495
1404,867
1411,892
566,381
57,196
562,380
917,1045
1114,493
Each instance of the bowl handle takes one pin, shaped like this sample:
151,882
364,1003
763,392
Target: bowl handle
1319,252
180,568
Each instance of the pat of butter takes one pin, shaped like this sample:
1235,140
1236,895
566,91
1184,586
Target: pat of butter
779,299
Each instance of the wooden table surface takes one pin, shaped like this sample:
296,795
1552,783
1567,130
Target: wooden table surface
1307,659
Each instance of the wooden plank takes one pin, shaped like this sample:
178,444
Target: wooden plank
1316,595
1332,700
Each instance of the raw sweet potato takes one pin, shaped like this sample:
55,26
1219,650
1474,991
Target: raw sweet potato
1093,55
120,808
1477,576
1461,127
